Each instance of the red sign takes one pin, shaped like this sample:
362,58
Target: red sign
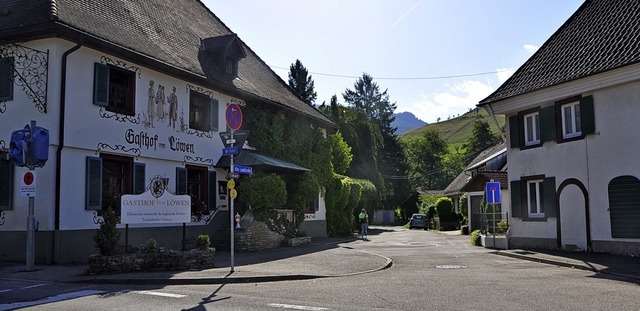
233,116
28,178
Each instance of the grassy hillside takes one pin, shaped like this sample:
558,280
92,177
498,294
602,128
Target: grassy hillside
457,131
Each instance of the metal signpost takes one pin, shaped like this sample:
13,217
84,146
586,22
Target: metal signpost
493,197
233,116
29,147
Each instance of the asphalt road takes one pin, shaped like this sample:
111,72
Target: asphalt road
430,271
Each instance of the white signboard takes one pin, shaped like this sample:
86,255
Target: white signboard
155,207
28,184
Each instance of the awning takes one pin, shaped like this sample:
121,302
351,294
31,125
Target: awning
261,162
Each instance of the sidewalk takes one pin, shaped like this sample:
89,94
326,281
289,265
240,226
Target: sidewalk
322,258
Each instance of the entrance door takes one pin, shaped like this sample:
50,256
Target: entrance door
573,220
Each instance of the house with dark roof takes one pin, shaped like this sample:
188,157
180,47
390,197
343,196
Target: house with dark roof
572,111
134,95
488,166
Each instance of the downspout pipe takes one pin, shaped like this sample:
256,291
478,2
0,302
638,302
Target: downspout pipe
489,109
63,104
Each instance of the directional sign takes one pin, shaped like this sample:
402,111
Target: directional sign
238,138
233,115
493,193
240,169
230,150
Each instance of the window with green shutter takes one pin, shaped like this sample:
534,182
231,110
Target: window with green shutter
548,124
6,184
213,190
181,180
214,114
516,199
114,88
514,132
139,178
93,182
6,78
624,207
587,115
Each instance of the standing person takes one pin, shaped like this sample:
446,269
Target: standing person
364,224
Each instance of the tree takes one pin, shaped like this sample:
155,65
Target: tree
425,155
301,82
367,100
481,139
341,153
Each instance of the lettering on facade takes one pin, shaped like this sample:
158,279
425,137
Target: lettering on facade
141,139
176,145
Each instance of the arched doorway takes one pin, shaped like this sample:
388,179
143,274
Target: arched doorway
574,231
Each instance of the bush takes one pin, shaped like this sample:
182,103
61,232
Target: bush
203,241
150,247
503,225
464,230
475,238
107,236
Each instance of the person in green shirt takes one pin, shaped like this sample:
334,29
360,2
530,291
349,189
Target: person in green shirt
364,224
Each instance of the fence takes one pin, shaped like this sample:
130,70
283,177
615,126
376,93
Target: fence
492,223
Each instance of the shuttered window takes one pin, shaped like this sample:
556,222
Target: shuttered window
139,178
114,88
548,124
93,181
587,115
514,132
624,207
6,184
6,78
213,190
181,180
214,114
533,198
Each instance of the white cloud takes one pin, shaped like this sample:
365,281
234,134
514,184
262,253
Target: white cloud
531,48
504,73
459,99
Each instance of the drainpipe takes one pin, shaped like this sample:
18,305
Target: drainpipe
63,102
493,116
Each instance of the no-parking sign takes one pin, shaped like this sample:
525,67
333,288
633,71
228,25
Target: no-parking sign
233,116
28,184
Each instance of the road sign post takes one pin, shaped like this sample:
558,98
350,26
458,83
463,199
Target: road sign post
233,116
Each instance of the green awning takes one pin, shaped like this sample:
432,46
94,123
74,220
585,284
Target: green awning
260,161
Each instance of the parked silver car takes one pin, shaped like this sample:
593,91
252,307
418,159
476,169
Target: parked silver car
418,221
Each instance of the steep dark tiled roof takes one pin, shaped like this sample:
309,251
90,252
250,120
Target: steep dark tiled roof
166,32
601,35
456,186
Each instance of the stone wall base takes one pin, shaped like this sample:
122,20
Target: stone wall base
164,260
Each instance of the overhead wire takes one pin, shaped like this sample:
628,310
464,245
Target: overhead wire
399,78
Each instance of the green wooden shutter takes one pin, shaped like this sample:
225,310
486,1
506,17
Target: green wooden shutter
516,199
214,114
101,84
6,78
587,116
548,123
138,178
181,180
213,190
549,199
624,207
93,182
514,132
6,184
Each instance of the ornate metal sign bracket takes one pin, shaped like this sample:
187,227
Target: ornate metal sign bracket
30,69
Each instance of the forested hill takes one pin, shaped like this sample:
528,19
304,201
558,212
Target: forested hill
457,130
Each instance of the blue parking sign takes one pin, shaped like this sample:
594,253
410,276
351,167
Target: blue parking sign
493,193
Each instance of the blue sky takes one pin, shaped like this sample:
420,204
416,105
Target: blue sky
436,59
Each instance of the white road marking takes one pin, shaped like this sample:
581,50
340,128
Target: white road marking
32,286
23,304
161,294
285,306
5,290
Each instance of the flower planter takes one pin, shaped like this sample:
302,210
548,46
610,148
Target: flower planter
501,241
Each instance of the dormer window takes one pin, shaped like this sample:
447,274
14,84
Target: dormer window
225,52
